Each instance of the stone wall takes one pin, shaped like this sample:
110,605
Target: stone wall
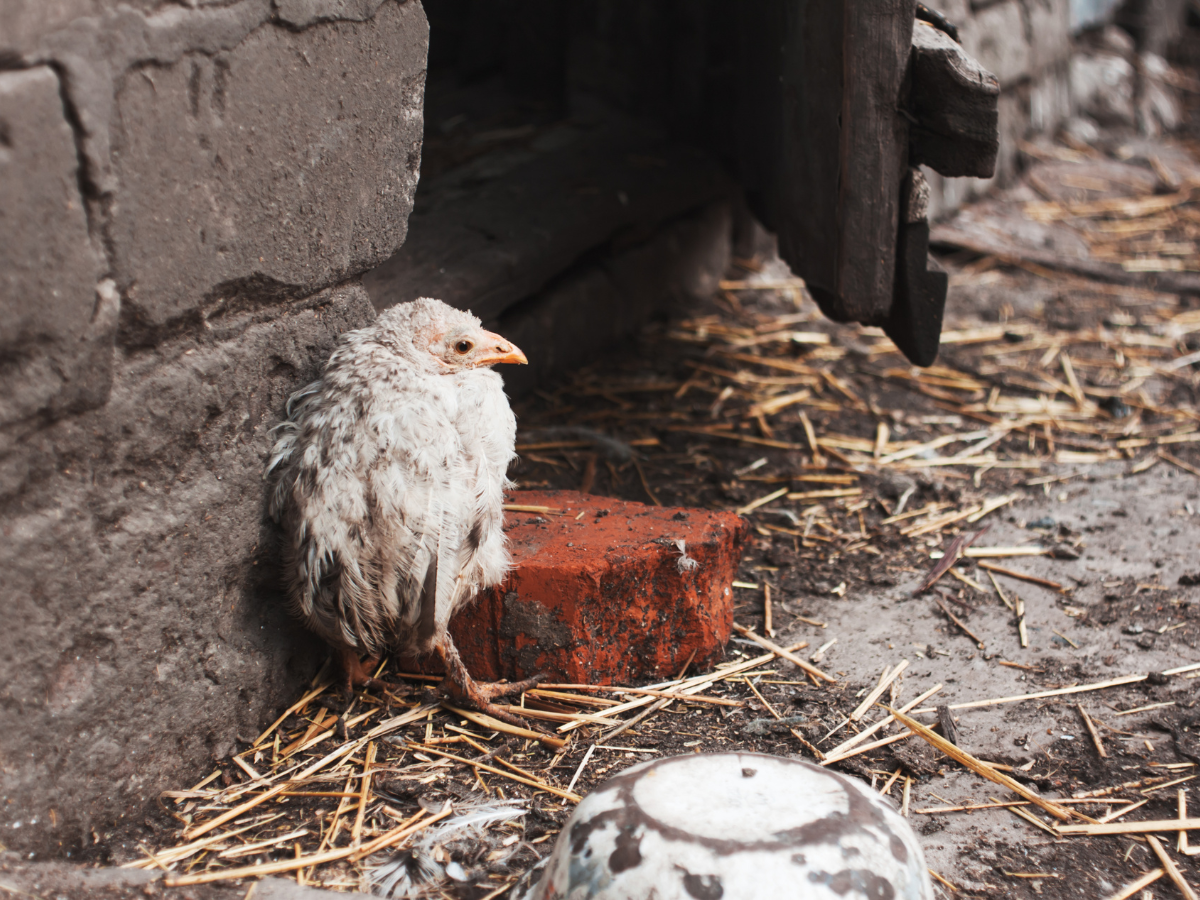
1026,44
188,194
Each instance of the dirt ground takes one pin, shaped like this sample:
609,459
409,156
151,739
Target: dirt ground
1129,606
1075,417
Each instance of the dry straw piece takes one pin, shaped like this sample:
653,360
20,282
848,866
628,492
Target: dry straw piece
781,652
981,768
1134,886
389,839
1148,827
1171,869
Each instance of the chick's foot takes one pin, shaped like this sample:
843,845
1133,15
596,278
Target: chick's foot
463,690
358,675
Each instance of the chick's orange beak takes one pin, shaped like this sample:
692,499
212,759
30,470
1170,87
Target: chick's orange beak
497,350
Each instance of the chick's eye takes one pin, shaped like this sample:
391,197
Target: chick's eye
463,346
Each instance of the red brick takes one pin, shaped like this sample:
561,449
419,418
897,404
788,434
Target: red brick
597,596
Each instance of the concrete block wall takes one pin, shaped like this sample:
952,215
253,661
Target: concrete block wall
188,193
1026,44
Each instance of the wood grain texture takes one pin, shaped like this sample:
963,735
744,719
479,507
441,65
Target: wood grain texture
914,322
955,103
877,42
822,144
788,102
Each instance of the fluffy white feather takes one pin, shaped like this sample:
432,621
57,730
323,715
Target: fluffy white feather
416,871
389,477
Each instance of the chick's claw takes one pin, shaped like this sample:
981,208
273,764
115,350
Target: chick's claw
490,691
358,676
476,696
463,690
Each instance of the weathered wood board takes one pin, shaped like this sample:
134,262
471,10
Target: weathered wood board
823,145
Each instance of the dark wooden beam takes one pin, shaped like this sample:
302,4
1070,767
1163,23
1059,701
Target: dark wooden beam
954,104
915,320
876,47
823,144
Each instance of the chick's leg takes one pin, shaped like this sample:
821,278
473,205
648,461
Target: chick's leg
462,689
358,675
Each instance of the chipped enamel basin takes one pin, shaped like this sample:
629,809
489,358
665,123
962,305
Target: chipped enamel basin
728,826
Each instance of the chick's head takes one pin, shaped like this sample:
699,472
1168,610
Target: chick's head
447,339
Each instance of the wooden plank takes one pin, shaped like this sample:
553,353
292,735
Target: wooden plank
915,320
877,43
956,104
788,100
822,145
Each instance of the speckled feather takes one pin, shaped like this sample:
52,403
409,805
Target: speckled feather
389,477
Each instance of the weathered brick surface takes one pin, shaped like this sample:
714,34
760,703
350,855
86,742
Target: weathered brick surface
48,267
1048,28
598,594
144,626
1013,39
286,162
995,35
26,22
188,194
